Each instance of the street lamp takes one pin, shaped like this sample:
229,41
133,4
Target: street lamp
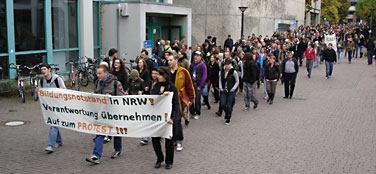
371,21
242,27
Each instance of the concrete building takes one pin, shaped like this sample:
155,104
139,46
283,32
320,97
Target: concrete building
219,18
58,31
313,13
351,17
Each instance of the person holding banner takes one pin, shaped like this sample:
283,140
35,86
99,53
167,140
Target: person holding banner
164,86
50,80
106,84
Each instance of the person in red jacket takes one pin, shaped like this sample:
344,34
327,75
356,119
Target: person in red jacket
310,56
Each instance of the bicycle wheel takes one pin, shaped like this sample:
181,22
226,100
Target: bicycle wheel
36,97
23,95
84,78
32,88
77,83
72,80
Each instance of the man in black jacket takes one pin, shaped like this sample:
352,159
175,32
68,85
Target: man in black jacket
229,43
290,69
370,48
330,57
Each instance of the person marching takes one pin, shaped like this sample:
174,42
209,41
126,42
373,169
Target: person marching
272,74
310,56
290,69
181,79
106,84
228,83
50,80
163,87
329,55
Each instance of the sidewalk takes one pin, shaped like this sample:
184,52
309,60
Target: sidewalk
328,127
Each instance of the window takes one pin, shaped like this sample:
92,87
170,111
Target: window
64,24
29,25
3,29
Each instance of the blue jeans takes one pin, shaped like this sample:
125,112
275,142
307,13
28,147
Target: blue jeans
339,51
316,63
227,101
369,56
54,137
98,145
361,49
328,68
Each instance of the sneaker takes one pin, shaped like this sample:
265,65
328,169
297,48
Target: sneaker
246,109
326,78
196,117
93,159
144,142
179,147
59,145
186,122
227,122
49,149
115,155
219,114
255,106
106,139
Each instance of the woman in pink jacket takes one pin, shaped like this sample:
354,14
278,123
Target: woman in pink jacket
310,56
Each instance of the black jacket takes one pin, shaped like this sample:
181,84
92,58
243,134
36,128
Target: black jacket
250,74
272,73
213,73
169,86
122,77
329,55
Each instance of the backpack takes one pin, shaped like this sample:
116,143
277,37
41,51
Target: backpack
55,80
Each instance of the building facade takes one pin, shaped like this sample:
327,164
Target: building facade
218,18
59,31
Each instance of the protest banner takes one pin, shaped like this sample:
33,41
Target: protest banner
331,39
127,116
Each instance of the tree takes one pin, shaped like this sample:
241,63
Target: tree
329,10
363,11
343,10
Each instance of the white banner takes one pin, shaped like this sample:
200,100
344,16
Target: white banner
127,116
331,39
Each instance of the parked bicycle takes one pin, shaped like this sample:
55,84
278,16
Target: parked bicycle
86,72
33,80
73,75
20,81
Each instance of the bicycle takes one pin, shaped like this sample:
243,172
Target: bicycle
20,81
33,81
87,71
74,80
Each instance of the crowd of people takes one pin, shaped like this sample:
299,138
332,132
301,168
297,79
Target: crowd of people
238,67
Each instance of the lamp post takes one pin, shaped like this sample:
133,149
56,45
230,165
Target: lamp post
242,27
371,22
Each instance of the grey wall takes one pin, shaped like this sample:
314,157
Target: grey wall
127,34
222,17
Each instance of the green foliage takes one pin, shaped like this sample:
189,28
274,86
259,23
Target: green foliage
343,10
363,11
329,10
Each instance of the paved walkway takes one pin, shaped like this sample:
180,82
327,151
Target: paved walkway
328,127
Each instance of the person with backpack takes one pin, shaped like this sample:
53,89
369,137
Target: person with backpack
106,84
50,80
